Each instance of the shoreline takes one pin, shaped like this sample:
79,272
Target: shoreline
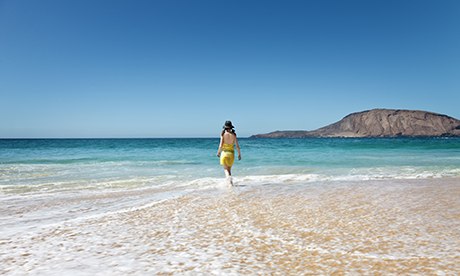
378,226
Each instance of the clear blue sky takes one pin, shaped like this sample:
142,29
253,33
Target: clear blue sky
93,68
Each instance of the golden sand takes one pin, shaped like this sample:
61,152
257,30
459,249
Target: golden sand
381,227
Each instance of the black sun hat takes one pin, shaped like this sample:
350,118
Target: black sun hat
228,124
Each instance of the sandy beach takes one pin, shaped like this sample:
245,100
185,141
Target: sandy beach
367,227
122,122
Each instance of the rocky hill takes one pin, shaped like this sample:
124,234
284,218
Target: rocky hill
381,123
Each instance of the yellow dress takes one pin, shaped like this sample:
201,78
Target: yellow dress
227,156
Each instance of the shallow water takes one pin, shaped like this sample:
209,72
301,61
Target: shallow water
386,226
301,206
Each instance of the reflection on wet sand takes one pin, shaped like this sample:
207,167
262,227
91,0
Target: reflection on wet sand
399,227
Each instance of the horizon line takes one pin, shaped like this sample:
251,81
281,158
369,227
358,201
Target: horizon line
70,138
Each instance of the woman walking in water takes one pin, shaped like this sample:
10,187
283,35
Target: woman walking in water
226,151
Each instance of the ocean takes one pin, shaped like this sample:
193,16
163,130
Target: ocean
317,205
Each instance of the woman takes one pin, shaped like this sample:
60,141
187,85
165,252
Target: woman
226,151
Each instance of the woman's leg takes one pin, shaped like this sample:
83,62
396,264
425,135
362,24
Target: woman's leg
228,171
228,174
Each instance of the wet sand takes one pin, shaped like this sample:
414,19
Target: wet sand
370,227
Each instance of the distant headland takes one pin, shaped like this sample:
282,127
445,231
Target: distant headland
380,123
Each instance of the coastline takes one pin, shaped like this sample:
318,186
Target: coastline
376,226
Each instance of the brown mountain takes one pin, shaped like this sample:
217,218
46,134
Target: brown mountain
380,123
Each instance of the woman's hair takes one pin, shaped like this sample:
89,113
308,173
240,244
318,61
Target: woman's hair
231,130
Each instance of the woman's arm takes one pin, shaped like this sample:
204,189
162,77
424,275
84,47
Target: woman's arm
219,150
238,148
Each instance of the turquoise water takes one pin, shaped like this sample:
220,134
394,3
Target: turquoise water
49,164
47,185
